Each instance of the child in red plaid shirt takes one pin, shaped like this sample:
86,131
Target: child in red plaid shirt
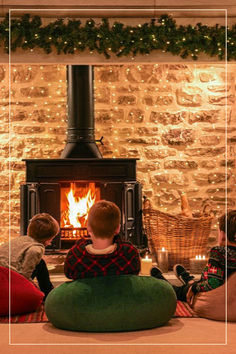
104,254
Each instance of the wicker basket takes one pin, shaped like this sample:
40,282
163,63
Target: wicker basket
183,237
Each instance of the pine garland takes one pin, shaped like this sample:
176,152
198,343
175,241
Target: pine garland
163,34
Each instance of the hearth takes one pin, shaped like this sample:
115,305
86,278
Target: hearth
67,187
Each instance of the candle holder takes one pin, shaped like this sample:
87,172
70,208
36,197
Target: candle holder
197,264
162,259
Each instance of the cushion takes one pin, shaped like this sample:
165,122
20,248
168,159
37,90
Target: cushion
211,304
111,303
25,297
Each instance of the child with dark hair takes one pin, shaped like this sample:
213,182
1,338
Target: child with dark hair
26,252
104,254
221,263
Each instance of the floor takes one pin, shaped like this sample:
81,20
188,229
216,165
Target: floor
181,335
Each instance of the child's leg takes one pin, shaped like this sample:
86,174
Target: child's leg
181,291
42,275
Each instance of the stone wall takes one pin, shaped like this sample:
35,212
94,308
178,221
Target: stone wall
172,117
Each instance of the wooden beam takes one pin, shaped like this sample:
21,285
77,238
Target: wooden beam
120,8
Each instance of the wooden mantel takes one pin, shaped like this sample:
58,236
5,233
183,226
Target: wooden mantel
120,8
128,11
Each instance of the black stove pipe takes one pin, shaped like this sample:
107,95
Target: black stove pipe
80,98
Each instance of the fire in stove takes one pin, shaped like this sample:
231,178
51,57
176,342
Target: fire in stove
76,200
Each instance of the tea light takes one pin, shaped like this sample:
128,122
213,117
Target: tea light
197,264
146,265
162,258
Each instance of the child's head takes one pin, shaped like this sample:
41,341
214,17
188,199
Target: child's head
104,219
43,228
227,226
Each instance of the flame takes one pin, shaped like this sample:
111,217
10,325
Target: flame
76,214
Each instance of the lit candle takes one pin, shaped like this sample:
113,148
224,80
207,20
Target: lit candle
162,258
197,264
146,265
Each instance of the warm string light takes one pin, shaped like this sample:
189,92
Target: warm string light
116,143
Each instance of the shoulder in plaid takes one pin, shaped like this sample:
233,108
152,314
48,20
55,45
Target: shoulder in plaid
81,264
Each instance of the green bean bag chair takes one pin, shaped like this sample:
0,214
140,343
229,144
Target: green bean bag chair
111,303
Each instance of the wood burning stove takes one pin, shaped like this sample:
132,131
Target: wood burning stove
48,183
66,187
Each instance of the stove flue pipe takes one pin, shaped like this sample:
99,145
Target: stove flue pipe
80,98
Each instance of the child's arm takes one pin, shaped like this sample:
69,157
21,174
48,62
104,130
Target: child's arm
213,274
32,257
72,266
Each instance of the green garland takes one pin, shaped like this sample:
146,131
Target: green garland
70,37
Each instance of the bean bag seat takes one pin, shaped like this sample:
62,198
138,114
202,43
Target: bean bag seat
211,304
25,297
111,303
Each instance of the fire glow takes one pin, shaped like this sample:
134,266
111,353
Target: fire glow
78,203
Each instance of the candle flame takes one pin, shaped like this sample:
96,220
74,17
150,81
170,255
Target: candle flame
146,257
163,249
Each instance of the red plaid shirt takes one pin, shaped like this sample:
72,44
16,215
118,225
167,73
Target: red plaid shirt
79,263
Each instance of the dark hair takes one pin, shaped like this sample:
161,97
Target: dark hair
227,222
42,227
104,219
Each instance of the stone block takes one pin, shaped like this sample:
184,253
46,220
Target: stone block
180,76
189,96
54,73
103,95
107,74
58,131
218,88
204,116
168,117
126,100
35,91
208,164
178,137
23,73
159,152
19,116
201,179
2,72
103,116
206,77
4,128
205,151
4,92
135,116
210,140
128,89
143,131
219,191
230,163
176,179
28,129
147,166
159,88
148,100
177,164
232,139
164,100
221,100
138,141
17,166
218,177
142,73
